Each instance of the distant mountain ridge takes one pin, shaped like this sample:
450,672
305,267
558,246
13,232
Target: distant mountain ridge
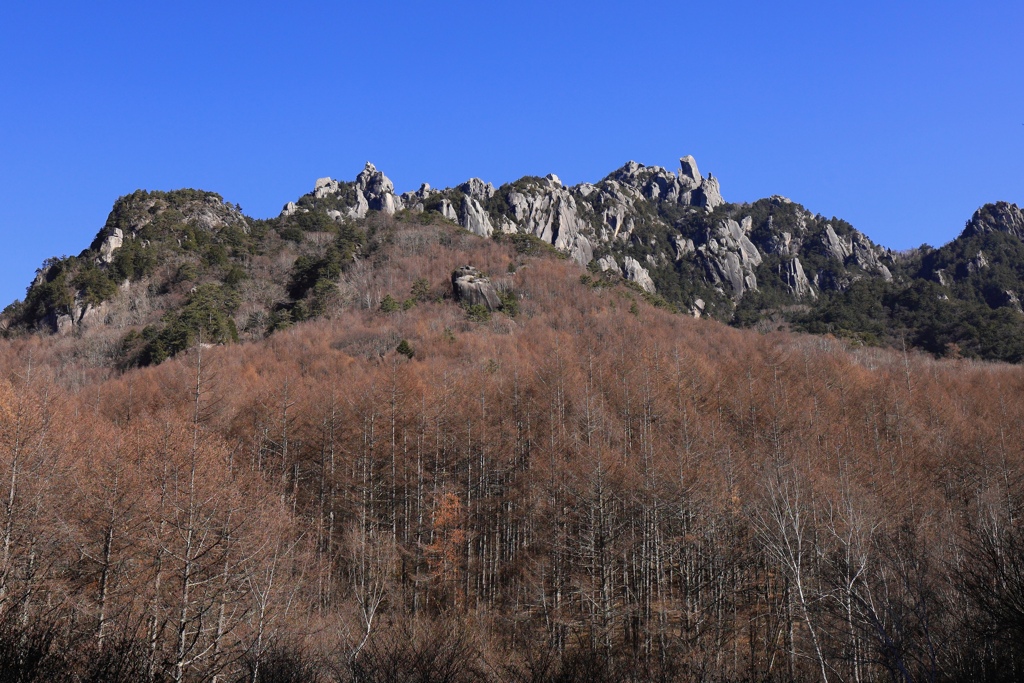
768,263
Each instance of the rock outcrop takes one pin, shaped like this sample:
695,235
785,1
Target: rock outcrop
377,189
998,217
111,243
640,219
634,272
796,279
471,287
731,258
838,248
474,218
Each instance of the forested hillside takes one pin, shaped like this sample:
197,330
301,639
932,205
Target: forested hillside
582,485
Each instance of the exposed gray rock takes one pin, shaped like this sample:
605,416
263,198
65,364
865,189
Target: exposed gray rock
63,324
474,218
1012,300
551,214
80,317
210,214
325,187
689,175
697,310
837,248
653,183
373,182
377,190
448,211
635,272
796,279
472,288
414,200
730,257
783,244
89,314
111,244
608,263
866,256
709,195
998,217
289,209
683,246
477,189
979,262
582,251
388,203
361,207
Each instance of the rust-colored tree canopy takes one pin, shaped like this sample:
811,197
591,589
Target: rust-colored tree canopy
582,487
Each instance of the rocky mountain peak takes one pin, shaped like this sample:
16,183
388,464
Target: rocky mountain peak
998,217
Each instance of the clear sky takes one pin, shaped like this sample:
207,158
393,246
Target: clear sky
901,117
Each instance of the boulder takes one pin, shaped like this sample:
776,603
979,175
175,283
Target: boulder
697,310
471,287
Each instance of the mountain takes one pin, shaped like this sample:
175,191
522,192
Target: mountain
442,457
168,266
481,464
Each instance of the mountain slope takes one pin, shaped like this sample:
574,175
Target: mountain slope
168,267
589,488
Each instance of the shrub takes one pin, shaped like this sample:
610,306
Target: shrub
421,289
478,313
509,303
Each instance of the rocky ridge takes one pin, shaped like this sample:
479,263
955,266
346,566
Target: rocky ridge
665,231
165,260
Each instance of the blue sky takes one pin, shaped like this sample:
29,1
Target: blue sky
902,118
